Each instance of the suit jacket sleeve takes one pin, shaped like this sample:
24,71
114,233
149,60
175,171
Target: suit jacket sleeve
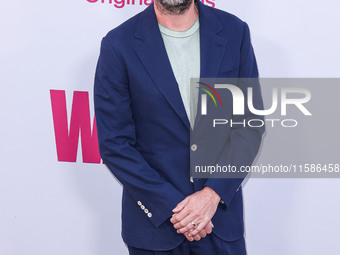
117,139
244,142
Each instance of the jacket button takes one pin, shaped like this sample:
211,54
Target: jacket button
146,210
191,179
149,215
139,203
142,207
194,147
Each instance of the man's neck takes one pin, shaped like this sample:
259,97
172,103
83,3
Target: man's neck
180,22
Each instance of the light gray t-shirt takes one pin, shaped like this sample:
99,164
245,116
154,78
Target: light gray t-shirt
183,49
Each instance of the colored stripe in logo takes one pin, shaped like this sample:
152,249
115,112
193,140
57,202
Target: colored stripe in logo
209,93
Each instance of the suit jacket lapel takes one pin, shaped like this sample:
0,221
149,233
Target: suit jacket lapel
212,47
153,55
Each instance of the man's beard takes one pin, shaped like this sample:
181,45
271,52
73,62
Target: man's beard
173,7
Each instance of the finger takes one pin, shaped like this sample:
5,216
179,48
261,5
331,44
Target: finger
198,229
197,237
180,217
203,233
208,228
186,227
176,218
190,238
180,205
173,219
185,224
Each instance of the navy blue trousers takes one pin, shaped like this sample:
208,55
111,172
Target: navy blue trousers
210,245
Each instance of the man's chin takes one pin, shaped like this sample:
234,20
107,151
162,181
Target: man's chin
173,7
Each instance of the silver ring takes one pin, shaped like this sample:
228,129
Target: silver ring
194,224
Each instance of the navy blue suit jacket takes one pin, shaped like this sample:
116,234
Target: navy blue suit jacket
144,132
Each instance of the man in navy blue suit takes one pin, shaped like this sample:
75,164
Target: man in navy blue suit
142,106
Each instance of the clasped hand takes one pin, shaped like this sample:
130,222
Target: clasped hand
192,217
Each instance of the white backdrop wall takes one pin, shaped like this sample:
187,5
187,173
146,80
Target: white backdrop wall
49,206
